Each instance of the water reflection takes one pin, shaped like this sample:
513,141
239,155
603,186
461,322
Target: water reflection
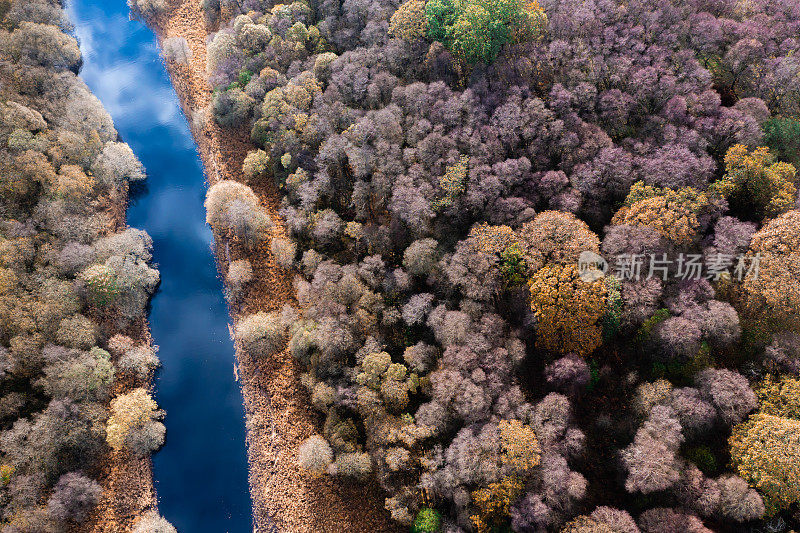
201,474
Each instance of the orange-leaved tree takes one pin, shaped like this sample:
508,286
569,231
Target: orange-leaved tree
568,309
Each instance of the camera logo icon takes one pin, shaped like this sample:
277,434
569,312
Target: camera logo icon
591,266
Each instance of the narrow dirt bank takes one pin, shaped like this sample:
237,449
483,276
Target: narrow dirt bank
279,416
127,480
127,483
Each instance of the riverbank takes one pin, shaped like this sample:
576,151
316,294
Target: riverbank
279,414
127,480
188,315
60,212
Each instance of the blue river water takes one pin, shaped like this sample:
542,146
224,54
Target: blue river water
201,473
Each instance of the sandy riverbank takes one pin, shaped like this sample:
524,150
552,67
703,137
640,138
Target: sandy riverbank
279,415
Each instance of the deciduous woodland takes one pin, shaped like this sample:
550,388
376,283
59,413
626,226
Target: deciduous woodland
442,165
77,420
433,174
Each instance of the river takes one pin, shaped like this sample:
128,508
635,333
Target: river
201,473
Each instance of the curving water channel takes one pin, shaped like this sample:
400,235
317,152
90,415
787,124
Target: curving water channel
201,473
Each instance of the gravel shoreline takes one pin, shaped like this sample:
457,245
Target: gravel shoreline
279,415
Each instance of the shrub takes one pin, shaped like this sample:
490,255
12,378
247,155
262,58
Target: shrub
119,344
44,45
618,521
74,257
738,501
322,396
568,374
134,279
261,334
781,135
586,524
134,423
199,119
427,521
176,50
355,465
695,414
729,392
151,522
676,214
677,338
315,454
66,436
421,257
452,184
73,498
240,273
87,377
556,237
771,292
651,459
421,357
147,8
72,184
417,308
137,283
754,181
520,447
130,242
252,37
284,252
664,520
56,301
222,50
255,165
117,164
139,362
101,284
476,31
391,379
77,332
780,398
494,503
232,108
409,21
232,209
211,9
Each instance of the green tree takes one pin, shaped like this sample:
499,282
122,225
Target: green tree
782,136
427,521
754,181
476,30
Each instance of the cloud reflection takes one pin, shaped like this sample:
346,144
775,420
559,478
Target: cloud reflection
130,89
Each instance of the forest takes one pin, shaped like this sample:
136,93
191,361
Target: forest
546,258
75,354
447,170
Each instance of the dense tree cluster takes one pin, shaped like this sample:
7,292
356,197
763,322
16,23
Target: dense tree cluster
444,165
74,283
